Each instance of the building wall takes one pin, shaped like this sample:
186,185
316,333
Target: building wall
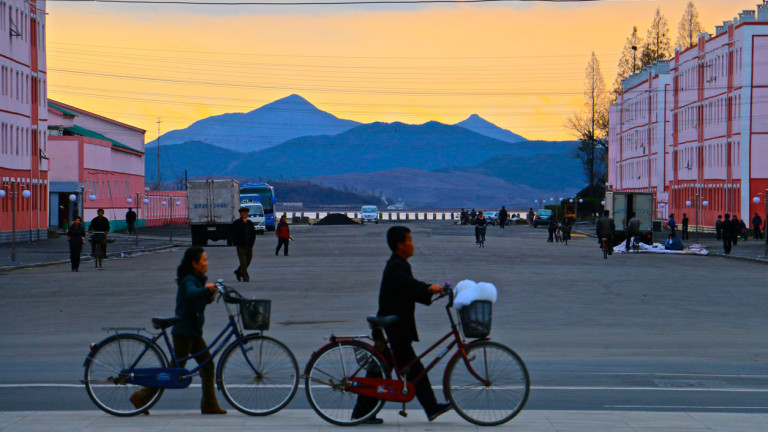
23,120
715,131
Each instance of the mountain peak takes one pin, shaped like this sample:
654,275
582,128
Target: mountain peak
475,123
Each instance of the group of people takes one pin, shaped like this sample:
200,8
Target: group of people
471,217
76,237
729,229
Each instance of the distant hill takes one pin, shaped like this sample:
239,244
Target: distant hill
197,157
267,126
475,123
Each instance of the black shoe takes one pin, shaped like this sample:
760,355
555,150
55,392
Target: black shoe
237,275
246,279
374,421
439,409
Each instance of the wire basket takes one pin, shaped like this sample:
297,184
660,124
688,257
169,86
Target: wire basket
255,314
476,319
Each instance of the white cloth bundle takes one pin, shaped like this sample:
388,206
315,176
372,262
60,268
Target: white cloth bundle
468,291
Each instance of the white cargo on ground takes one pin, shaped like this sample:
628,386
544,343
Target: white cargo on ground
369,214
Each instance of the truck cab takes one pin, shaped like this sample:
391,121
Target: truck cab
369,213
256,215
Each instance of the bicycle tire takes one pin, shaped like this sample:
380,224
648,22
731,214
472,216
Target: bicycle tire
258,394
327,370
487,405
605,249
106,369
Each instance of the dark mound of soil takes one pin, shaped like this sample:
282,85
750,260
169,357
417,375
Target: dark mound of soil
336,219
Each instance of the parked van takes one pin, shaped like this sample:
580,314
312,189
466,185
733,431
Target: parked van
369,214
256,215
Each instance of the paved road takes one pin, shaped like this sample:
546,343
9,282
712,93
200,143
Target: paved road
635,332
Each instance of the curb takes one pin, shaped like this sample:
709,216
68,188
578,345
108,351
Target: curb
109,255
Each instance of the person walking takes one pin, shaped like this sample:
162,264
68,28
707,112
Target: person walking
530,216
463,217
727,232
193,294
472,216
76,239
480,227
671,224
551,227
757,225
130,220
685,226
283,234
719,227
243,237
503,215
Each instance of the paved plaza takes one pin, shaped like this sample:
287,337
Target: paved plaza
635,342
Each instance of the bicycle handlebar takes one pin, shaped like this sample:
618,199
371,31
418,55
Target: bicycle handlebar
229,294
447,292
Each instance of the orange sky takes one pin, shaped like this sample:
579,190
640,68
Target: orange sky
518,65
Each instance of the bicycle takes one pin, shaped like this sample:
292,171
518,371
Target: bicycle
635,243
605,245
480,236
486,382
99,239
257,374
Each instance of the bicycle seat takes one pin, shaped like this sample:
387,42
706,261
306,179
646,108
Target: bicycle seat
164,323
381,321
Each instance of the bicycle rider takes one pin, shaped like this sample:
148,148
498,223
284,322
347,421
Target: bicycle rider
99,223
633,230
480,226
606,229
398,295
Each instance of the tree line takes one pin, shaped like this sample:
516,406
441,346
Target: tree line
590,125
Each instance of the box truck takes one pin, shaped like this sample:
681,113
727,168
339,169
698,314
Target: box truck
622,204
212,206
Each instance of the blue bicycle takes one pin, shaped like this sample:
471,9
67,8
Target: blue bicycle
258,375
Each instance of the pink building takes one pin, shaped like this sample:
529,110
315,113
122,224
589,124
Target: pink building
694,129
96,162
23,121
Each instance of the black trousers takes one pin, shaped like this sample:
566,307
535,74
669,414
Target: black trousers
727,244
685,232
130,227
75,249
404,354
280,243
244,256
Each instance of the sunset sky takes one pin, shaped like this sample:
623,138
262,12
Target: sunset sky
519,65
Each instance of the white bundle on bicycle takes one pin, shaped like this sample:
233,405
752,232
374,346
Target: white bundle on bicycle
468,291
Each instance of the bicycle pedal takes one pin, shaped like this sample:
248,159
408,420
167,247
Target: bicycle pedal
403,413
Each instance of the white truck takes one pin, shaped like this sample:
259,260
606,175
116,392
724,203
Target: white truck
212,206
256,215
622,204
369,213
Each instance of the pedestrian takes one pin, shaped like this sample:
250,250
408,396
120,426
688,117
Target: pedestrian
76,239
463,217
193,294
283,234
480,226
503,215
743,229
673,243
735,230
726,233
472,216
757,223
685,226
130,220
605,229
398,296
530,216
719,227
243,237
633,230
671,224
101,224
551,227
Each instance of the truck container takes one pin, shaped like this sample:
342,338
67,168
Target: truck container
622,204
212,206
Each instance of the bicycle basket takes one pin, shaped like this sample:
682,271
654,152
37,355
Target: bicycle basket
255,314
476,319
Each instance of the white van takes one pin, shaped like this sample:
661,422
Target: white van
369,214
256,215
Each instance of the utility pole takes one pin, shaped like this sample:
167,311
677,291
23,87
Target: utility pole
157,186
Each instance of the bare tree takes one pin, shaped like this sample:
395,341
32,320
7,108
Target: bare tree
657,44
591,125
689,28
629,63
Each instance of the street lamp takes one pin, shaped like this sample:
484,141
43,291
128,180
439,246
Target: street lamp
13,193
698,202
756,200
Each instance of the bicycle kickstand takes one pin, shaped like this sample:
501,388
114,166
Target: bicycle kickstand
402,412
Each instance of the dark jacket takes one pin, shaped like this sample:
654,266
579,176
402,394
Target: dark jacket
633,226
191,299
725,226
243,234
605,227
481,221
757,221
398,295
76,235
685,222
130,216
283,232
671,223
503,215
99,224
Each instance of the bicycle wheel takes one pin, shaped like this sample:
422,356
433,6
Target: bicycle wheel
108,367
259,377
326,382
500,400
605,249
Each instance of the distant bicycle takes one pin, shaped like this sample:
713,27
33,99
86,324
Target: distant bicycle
99,240
257,374
480,236
605,245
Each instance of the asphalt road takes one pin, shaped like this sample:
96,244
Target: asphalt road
634,332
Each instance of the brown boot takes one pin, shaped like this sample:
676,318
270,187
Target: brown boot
136,401
213,410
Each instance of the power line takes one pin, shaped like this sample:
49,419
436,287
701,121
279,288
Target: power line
315,3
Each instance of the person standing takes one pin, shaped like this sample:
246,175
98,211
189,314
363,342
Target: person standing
76,239
757,224
398,295
472,216
685,226
551,227
735,230
726,227
283,234
130,220
101,224
503,215
463,217
633,230
243,237
672,225
719,227
193,294
743,229
530,216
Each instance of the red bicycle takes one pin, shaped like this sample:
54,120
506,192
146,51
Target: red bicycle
347,381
